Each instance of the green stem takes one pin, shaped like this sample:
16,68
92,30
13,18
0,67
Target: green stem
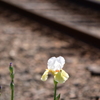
12,81
55,89
12,91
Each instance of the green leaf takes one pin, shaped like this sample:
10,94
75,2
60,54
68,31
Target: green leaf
58,97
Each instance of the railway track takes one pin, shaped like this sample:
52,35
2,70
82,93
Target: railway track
70,28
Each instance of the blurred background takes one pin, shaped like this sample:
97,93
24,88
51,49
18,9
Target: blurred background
29,44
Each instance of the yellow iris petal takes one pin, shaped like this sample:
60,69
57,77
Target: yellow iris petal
61,76
45,75
52,72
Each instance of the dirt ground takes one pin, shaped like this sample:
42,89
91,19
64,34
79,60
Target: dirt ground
29,45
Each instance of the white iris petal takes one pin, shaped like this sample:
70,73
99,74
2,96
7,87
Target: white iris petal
56,66
56,63
61,60
51,62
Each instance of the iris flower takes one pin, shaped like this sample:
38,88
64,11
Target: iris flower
55,66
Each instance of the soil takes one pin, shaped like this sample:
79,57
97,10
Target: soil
29,45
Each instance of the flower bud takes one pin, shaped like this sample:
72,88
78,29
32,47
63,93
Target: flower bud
12,85
11,68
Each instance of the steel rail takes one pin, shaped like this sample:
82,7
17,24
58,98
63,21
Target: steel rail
67,29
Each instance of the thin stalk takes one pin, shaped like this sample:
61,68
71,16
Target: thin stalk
12,90
12,81
55,89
